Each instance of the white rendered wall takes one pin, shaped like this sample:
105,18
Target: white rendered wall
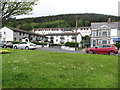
7,34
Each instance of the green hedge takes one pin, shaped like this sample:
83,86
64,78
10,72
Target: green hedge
15,42
39,43
117,45
71,44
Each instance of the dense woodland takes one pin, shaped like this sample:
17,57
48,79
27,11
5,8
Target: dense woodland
65,20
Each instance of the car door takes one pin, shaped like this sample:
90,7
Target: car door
19,45
106,49
98,49
24,45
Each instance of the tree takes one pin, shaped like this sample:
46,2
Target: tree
10,9
80,23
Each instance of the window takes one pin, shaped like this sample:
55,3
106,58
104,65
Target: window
104,41
3,39
19,33
67,36
93,34
56,40
14,39
20,40
4,32
14,33
106,46
99,33
0,34
67,40
100,46
104,33
94,42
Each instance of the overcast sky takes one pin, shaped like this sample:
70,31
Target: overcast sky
56,7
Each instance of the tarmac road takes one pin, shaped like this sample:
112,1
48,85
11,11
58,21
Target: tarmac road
58,49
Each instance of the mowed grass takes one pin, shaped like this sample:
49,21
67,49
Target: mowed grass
42,69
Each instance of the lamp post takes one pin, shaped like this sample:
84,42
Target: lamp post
76,35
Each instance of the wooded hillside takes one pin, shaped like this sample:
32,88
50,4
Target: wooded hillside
65,20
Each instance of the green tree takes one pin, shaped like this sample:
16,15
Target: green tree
26,26
10,9
55,24
80,23
86,23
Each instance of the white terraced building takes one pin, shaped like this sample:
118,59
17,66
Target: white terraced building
83,30
13,34
62,38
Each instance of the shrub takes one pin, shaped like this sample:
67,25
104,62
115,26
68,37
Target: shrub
39,43
71,44
4,51
117,45
15,42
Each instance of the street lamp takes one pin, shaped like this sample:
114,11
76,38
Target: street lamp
76,35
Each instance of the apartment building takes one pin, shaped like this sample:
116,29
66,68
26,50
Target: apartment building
13,34
62,38
83,30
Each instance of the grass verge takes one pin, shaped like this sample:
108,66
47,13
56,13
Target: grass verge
42,69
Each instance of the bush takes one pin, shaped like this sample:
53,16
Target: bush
71,44
4,51
38,43
117,45
15,42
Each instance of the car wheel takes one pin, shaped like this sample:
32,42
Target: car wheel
27,48
91,52
15,47
4,46
111,53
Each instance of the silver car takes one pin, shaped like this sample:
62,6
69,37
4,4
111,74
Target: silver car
24,45
5,44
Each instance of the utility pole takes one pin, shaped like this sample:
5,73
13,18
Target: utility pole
76,34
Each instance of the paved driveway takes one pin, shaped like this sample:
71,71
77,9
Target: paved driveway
57,49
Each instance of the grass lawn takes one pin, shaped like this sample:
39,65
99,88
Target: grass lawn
42,69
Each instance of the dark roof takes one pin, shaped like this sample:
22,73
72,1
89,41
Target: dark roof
23,31
112,25
66,33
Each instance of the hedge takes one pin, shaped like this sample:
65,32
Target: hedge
71,44
39,43
15,42
117,45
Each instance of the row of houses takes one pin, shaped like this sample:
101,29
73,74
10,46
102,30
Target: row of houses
100,33
13,34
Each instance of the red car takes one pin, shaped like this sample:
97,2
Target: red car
103,49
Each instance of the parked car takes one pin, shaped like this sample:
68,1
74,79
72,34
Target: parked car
24,45
103,49
5,44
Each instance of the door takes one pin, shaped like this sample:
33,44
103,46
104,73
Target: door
98,49
106,49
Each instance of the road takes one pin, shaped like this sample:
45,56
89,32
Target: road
58,49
